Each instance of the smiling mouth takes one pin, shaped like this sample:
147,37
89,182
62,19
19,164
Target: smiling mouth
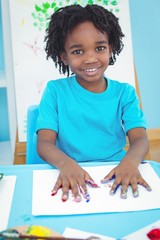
90,69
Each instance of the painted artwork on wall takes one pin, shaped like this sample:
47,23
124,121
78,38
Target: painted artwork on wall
29,19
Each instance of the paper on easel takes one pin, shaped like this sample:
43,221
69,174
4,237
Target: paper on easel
75,233
7,186
101,201
142,233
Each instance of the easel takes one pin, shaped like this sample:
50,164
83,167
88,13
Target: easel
20,151
148,156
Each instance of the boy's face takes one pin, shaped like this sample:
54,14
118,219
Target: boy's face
87,52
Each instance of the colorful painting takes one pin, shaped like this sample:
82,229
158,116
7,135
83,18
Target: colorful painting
45,9
29,19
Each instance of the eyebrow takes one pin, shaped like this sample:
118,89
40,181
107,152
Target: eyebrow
80,45
102,42
75,46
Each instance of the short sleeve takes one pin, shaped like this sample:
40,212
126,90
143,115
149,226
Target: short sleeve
132,115
48,113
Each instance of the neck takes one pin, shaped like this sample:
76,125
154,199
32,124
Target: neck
96,87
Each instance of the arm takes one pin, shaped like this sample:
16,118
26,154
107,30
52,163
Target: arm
46,147
127,173
71,176
138,147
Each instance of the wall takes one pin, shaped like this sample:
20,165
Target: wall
1,43
4,126
145,22
4,129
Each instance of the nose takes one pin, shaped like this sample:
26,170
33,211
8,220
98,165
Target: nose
90,57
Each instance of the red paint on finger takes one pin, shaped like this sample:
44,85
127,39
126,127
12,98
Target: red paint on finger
53,193
64,200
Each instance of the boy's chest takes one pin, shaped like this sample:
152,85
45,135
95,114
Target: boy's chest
80,110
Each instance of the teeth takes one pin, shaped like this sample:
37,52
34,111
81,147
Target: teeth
91,70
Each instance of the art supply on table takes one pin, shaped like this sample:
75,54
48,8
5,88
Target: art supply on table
154,234
43,181
36,232
7,186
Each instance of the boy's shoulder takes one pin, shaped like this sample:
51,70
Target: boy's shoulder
58,81
61,82
119,85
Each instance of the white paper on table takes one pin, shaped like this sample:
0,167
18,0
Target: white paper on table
75,233
142,233
101,200
7,185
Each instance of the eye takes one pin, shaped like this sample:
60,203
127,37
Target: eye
100,48
77,52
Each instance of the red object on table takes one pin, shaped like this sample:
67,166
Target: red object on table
154,234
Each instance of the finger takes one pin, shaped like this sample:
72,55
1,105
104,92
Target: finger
134,187
65,190
146,185
108,178
56,187
136,193
65,196
114,188
91,183
77,197
124,189
123,194
85,194
87,176
75,192
83,187
83,190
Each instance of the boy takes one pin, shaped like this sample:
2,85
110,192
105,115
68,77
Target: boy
86,117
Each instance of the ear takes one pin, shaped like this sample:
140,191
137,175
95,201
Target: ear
63,57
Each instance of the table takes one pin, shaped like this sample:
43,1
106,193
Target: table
115,225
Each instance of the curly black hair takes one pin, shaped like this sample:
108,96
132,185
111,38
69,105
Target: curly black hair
65,19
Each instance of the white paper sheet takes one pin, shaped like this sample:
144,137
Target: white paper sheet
7,185
101,200
74,233
142,233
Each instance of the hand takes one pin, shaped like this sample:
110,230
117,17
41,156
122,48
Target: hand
73,177
126,175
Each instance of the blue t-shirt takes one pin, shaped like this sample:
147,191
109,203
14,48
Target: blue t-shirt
90,126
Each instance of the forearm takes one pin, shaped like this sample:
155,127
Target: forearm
137,151
51,154
138,148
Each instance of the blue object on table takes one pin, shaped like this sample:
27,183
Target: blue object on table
32,156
